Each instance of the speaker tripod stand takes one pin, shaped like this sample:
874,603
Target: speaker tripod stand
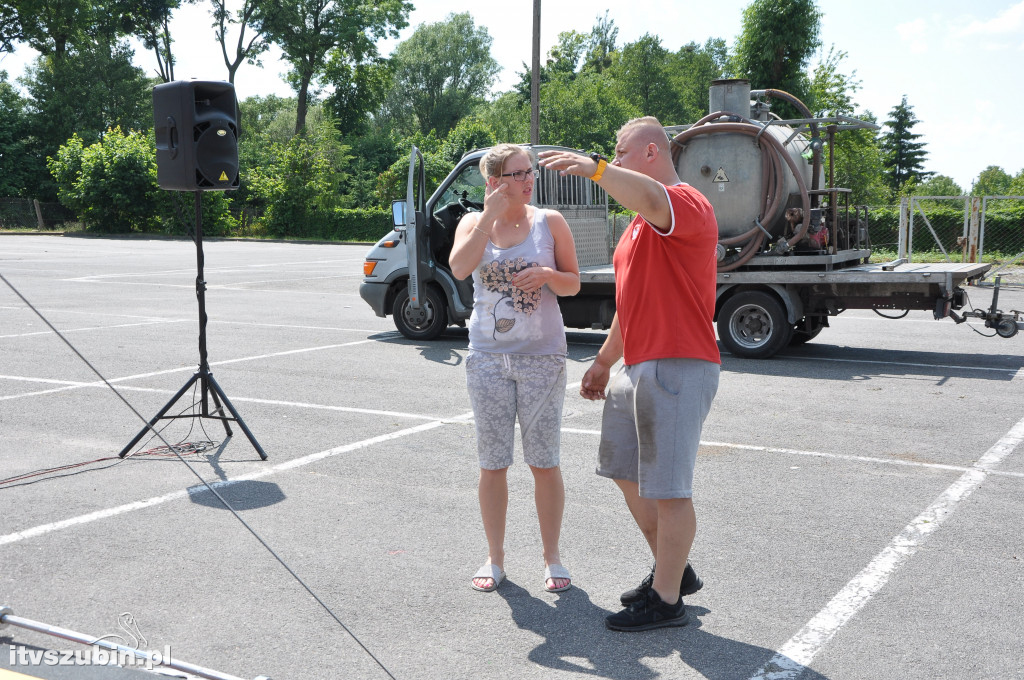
209,388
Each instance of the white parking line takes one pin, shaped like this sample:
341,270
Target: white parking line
898,363
859,459
793,657
183,493
987,463
138,376
93,328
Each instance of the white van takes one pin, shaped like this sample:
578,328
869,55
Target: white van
425,298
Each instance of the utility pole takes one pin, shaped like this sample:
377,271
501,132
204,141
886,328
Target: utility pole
535,78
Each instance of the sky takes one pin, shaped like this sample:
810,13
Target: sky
959,64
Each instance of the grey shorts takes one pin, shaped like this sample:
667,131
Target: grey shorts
650,430
503,386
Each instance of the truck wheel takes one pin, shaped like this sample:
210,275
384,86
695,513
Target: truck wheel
753,325
802,334
426,323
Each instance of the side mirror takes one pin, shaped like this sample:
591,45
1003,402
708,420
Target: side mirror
398,213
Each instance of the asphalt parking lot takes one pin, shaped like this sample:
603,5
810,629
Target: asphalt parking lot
858,498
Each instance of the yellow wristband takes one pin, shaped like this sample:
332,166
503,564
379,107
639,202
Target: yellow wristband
601,165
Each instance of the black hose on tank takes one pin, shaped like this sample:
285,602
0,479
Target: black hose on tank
772,181
806,112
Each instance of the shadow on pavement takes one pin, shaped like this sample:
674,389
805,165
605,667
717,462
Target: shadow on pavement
576,640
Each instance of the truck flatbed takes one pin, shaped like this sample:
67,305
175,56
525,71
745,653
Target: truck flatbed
952,274
909,272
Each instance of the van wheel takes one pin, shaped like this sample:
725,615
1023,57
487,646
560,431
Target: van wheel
753,325
425,323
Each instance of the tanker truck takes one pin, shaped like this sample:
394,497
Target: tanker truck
792,250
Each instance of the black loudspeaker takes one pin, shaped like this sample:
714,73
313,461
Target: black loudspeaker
196,125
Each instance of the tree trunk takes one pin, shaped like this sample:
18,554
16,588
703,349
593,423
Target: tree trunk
300,112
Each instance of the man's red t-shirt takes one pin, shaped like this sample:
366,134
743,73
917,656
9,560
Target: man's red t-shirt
665,283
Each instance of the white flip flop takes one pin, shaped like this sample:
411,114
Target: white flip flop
553,571
491,571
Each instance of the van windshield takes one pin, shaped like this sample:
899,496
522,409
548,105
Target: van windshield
467,185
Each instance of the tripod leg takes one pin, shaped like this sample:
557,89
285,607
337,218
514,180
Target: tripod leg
238,418
216,402
159,415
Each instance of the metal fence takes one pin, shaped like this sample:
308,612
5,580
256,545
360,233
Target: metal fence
28,213
957,229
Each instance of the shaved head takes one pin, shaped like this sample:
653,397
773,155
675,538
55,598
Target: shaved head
644,131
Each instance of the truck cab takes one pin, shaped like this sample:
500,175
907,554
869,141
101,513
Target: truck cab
406,273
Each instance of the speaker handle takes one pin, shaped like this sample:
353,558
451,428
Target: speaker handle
172,137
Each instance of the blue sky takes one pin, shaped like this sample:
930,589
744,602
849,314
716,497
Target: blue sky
959,64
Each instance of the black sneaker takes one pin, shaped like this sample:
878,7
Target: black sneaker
690,584
649,613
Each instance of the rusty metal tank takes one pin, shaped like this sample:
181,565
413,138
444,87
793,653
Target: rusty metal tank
752,169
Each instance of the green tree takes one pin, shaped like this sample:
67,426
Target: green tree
10,25
778,39
372,154
642,76
858,158
1017,185
247,48
831,91
150,20
263,122
601,44
508,116
13,134
691,71
939,185
858,167
300,184
391,184
86,93
993,181
358,90
53,28
309,30
903,154
258,114
670,86
444,70
573,54
471,133
584,112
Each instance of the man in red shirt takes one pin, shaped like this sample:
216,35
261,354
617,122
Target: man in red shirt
665,271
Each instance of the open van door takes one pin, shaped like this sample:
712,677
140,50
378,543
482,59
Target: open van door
409,216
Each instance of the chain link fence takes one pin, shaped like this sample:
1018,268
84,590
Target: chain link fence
954,229
27,213
1001,236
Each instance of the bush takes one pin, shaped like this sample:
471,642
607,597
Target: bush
300,182
111,185
342,224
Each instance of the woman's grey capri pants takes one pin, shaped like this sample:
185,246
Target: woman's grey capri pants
502,386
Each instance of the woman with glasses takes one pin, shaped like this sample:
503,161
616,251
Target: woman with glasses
520,258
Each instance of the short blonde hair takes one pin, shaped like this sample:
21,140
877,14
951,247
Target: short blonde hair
649,129
493,162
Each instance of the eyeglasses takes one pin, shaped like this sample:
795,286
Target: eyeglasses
519,175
